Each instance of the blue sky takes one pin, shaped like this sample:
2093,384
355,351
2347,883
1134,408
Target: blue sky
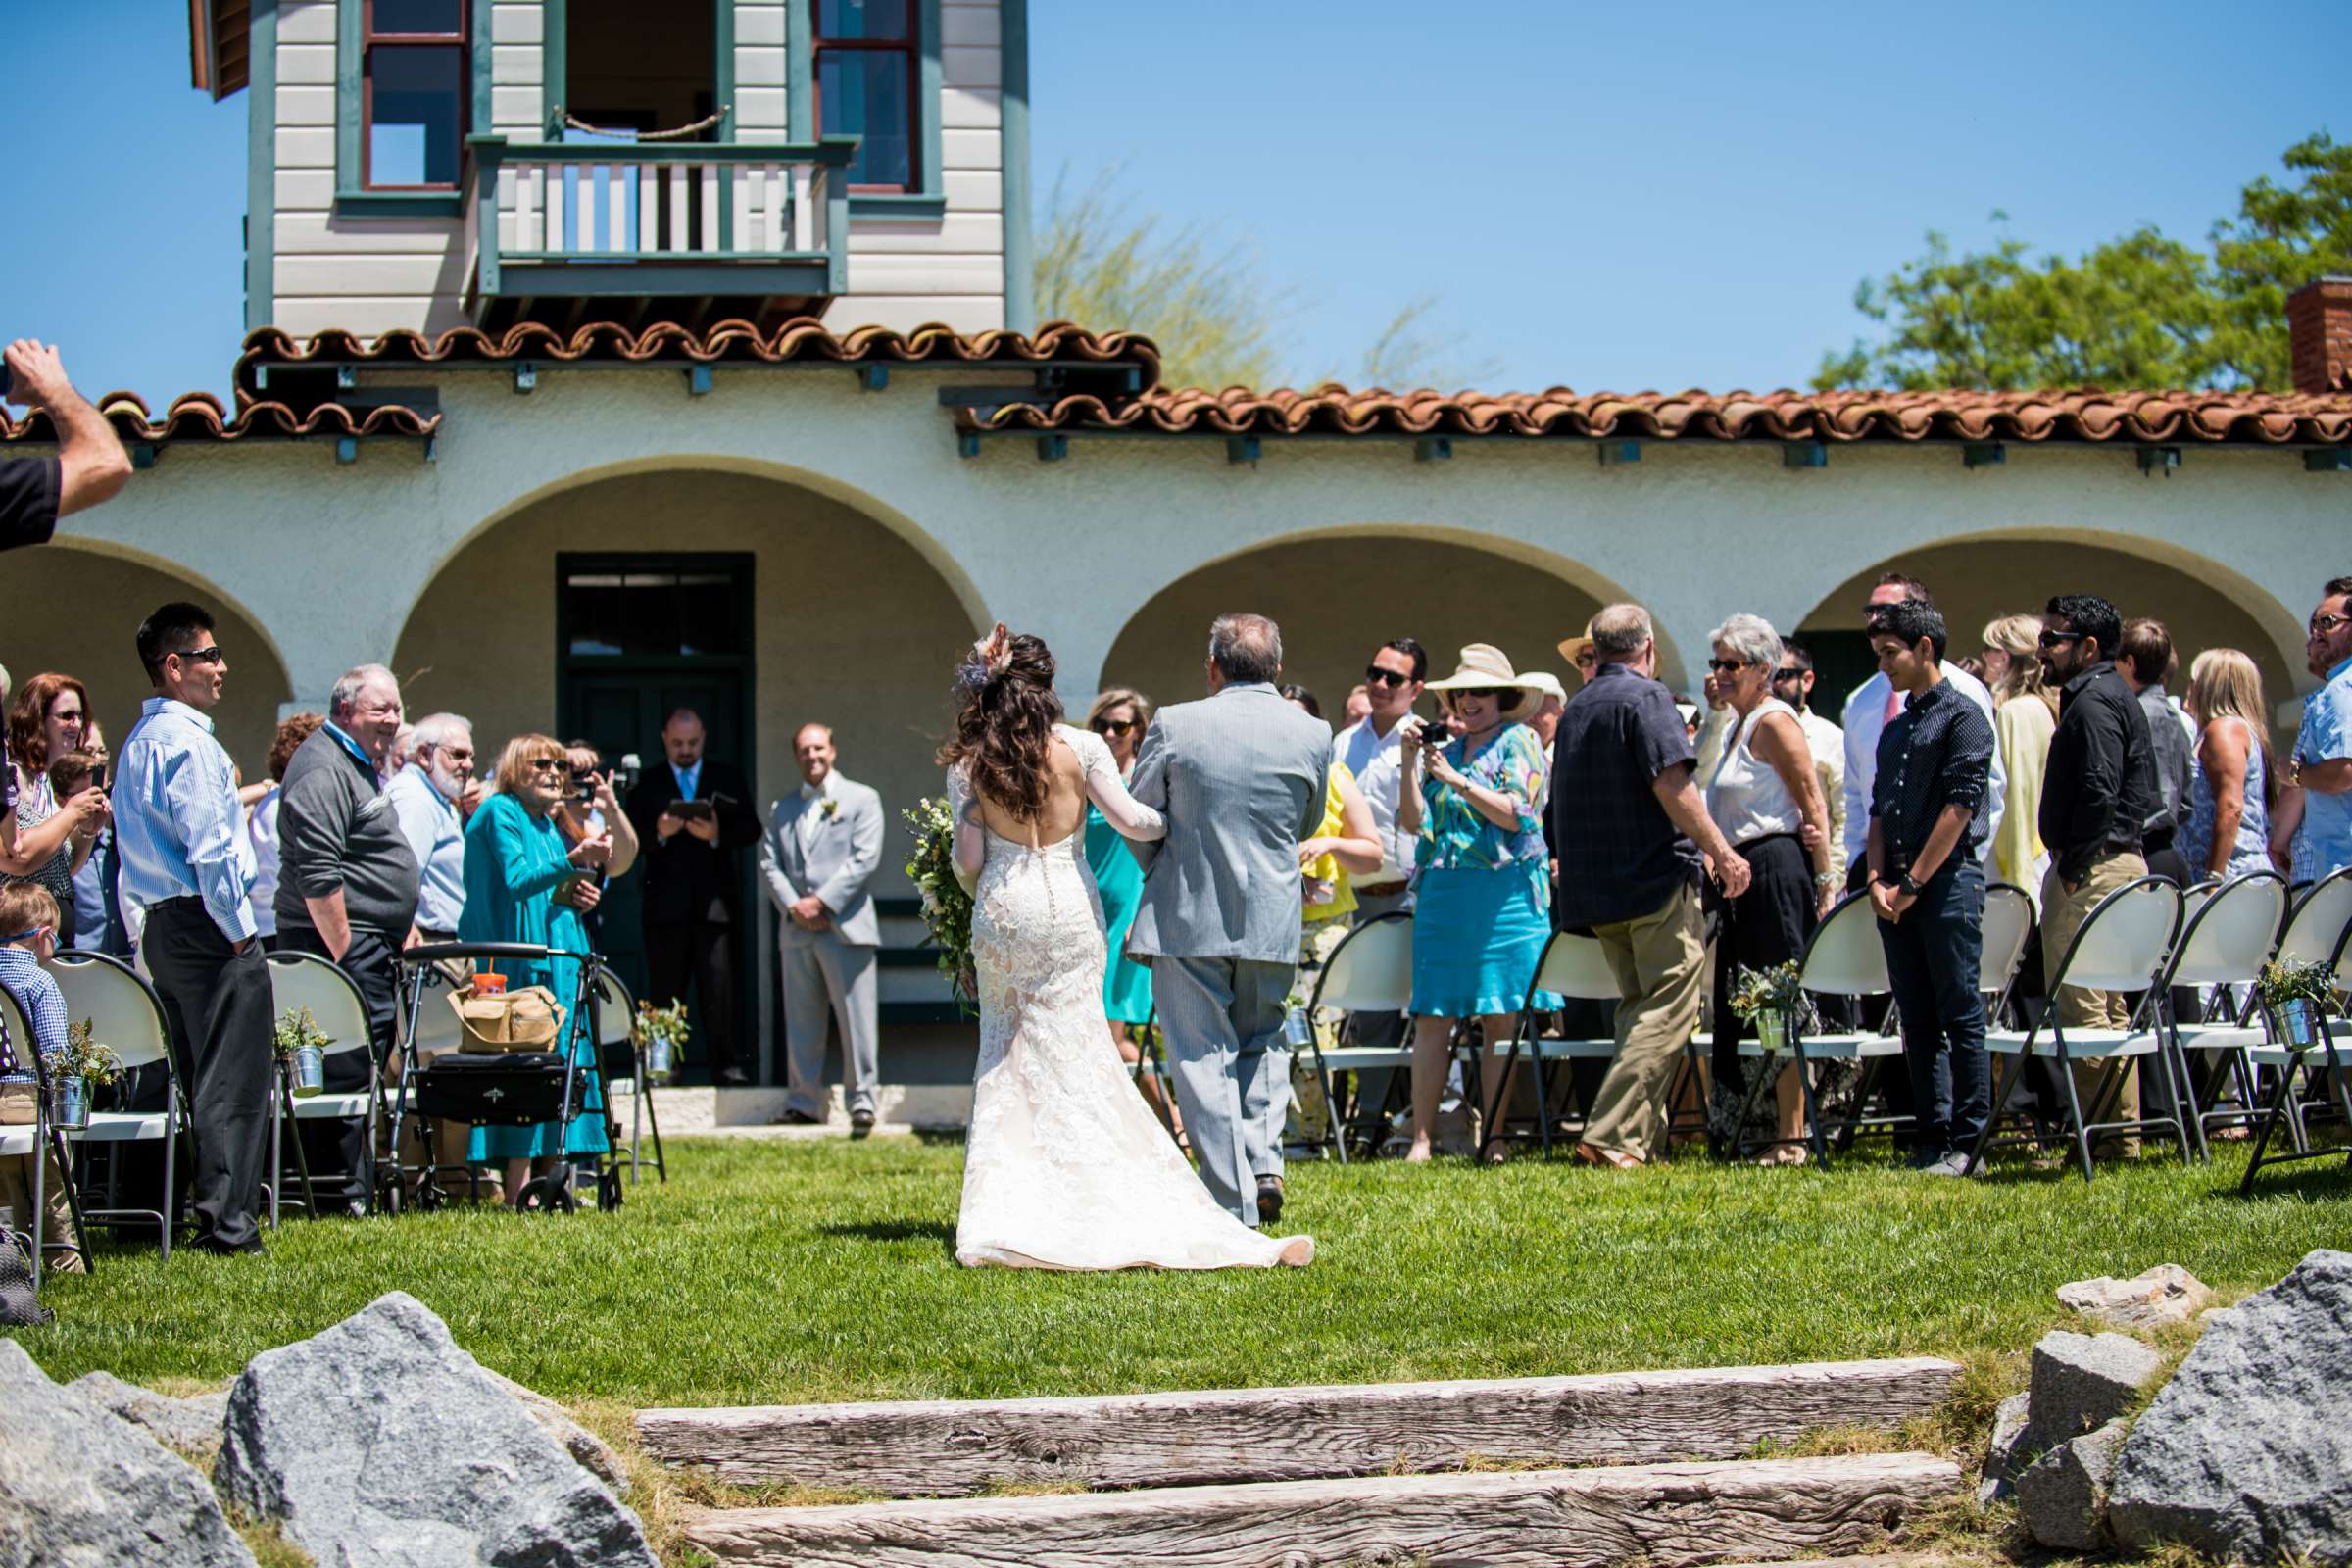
1607,197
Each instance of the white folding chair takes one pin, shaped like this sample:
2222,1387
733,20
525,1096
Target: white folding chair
32,1142
2007,927
2318,932
1371,970
299,980
616,1019
1843,958
126,1016
2231,930
2122,946
1573,966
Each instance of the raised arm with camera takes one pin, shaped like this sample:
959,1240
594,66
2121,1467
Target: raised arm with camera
90,464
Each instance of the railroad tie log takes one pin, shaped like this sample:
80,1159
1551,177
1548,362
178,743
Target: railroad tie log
1665,1516
961,1447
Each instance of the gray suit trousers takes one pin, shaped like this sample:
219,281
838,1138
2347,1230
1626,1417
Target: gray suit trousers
1223,1021
828,970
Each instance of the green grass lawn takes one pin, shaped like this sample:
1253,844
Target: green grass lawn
774,1272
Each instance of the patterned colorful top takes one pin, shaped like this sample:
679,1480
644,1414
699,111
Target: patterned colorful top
1455,837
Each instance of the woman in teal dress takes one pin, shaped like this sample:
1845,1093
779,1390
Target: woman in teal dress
523,885
1120,716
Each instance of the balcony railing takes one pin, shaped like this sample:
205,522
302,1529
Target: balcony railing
759,225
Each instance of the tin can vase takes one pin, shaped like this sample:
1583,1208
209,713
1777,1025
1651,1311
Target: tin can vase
306,1069
656,1058
1297,1029
70,1104
2295,1024
1772,1031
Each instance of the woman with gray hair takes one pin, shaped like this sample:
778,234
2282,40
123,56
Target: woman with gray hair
1763,794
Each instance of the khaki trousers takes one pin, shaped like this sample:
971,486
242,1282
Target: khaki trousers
2080,1006
16,1207
1659,963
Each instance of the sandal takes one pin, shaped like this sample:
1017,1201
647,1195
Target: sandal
1606,1158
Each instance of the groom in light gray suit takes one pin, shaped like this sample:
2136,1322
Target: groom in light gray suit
1241,778
822,847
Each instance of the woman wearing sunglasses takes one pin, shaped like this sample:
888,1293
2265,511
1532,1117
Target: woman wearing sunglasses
1483,880
1120,716
1763,794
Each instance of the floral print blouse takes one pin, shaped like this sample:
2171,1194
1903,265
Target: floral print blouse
1455,837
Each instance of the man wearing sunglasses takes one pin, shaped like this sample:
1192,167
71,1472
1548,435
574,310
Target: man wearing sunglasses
2322,755
1373,751
183,887
2098,792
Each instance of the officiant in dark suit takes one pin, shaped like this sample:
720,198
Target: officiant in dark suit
694,816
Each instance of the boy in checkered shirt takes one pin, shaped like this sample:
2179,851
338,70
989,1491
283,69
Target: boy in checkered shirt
29,919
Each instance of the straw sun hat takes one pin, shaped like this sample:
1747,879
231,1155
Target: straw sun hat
1482,666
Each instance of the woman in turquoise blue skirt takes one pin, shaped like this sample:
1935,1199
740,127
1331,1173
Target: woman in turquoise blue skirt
1120,716
522,885
1482,899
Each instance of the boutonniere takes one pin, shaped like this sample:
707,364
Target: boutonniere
830,809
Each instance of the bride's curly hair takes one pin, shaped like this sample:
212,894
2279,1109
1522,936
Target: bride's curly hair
1004,717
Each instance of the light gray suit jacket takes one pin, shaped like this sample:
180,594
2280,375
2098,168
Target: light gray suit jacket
843,852
1241,778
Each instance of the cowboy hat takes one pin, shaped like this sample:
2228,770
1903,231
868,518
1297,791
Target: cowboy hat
1573,648
1482,666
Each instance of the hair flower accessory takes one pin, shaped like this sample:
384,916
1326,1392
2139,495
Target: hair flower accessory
991,657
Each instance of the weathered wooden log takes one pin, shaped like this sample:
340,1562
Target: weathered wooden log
955,1448
1666,1516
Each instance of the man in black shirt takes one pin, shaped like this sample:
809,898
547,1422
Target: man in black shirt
1632,835
1926,883
90,465
2099,792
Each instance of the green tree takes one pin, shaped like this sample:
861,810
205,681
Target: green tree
2140,311
1205,298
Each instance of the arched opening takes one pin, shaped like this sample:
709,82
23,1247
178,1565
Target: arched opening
78,609
593,609
1981,578
1338,596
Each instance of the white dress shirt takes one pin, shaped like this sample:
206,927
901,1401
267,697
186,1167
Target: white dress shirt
1378,763
1866,721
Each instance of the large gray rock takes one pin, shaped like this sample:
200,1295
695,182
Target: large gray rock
188,1424
380,1441
2083,1381
592,1454
2010,1422
2245,1453
2165,1293
81,1488
2062,1497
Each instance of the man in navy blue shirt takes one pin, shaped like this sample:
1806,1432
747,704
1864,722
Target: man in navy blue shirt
1925,882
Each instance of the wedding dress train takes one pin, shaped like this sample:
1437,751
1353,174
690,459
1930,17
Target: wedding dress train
1066,1166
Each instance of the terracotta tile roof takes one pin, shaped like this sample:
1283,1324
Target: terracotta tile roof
2086,415
199,416
801,339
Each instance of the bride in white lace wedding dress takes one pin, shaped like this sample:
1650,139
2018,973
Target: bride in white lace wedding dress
1066,1167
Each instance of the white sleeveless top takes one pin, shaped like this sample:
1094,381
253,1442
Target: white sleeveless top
1746,797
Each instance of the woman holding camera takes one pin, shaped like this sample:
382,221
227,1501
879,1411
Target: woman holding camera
1483,900
522,884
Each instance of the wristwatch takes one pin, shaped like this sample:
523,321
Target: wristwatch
1907,885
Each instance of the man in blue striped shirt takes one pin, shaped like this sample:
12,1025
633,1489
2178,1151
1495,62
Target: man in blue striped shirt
183,887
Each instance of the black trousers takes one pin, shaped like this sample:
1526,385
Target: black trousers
699,953
1933,956
341,1144
217,1004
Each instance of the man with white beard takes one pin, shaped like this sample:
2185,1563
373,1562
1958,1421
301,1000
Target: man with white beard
433,797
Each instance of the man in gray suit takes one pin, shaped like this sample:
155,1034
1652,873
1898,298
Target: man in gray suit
823,847
1241,779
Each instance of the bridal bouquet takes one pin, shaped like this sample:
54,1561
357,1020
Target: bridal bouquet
946,907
